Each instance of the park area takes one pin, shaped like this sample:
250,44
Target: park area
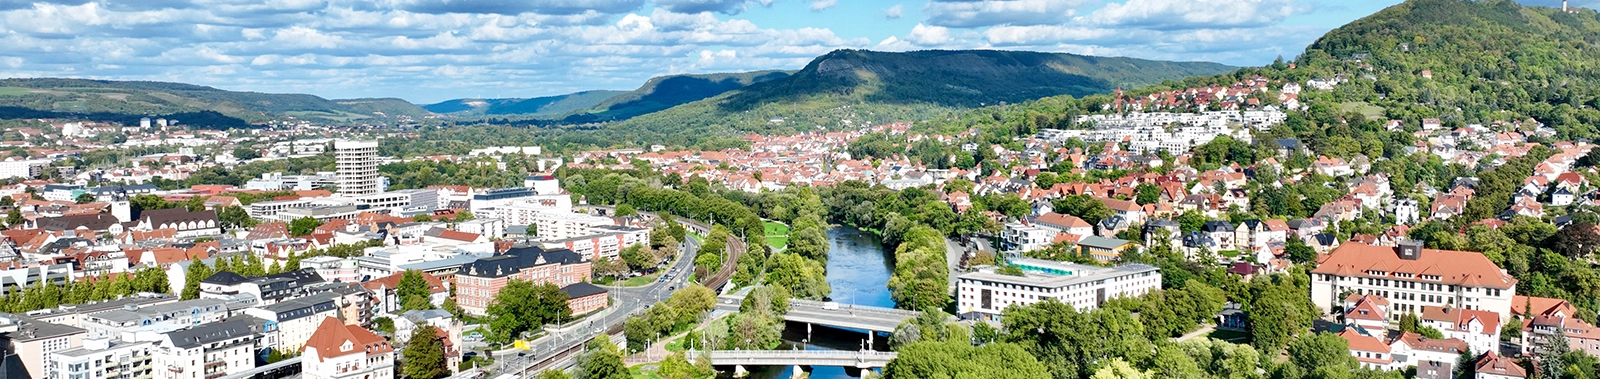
777,235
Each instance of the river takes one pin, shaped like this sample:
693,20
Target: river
858,272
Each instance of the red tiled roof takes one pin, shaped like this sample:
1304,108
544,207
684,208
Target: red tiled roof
393,281
1491,363
1464,268
332,335
1460,317
1069,221
1363,342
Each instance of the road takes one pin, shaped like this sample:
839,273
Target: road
627,301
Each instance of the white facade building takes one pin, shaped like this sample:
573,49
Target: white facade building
358,167
1411,278
987,293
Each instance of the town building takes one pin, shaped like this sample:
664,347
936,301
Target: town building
339,351
985,293
583,297
102,358
1491,365
297,319
208,351
477,282
357,167
1480,329
36,342
1411,277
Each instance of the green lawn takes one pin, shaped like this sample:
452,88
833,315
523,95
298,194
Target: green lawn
1230,336
1372,112
777,235
640,280
13,91
1228,253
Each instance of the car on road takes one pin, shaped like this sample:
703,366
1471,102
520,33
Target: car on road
832,306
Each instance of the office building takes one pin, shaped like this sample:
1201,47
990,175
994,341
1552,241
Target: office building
358,167
985,293
1411,278
102,358
479,281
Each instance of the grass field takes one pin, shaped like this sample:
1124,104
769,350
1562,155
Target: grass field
640,280
340,116
777,235
1230,336
13,91
1371,112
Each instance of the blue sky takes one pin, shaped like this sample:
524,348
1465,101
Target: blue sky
432,50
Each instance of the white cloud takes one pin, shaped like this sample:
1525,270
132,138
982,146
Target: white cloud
1181,14
981,13
924,35
894,11
817,5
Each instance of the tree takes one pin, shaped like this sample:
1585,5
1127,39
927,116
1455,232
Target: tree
14,217
804,278
553,374
625,210
601,360
234,216
464,215
7,202
245,154
1147,193
303,226
1553,353
383,324
423,357
1322,351
959,359
413,291
677,366
422,218
521,306
1278,314
84,198
196,272
1577,240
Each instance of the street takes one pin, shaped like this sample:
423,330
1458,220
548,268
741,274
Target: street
627,301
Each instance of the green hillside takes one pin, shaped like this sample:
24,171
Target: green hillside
664,92
122,99
855,87
547,106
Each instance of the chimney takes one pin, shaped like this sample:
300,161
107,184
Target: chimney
1409,249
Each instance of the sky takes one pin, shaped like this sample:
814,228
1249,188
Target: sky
431,50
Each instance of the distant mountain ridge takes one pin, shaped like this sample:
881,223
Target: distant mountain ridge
853,87
107,99
658,93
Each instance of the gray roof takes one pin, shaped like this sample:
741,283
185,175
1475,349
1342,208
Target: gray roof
213,332
1102,242
31,329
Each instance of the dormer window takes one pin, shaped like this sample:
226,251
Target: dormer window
347,346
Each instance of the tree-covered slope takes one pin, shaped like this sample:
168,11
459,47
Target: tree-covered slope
664,92
545,106
1494,60
141,98
856,87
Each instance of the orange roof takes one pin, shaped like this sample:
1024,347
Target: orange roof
1464,268
313,193
1491,363
1541,306
1459,318
1363,342
1418,342
393,281
331,337
458,235
1069,221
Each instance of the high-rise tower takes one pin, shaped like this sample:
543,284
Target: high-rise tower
358,167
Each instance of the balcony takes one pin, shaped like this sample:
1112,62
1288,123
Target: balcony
215,363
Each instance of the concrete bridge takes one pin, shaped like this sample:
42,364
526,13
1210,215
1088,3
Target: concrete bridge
873,319
864,359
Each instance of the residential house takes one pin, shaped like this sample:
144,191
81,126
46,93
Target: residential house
1480,329
339,351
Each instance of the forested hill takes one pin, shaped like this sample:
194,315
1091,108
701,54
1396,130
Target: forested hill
543,106
133,99
855,87
658,93
963,78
